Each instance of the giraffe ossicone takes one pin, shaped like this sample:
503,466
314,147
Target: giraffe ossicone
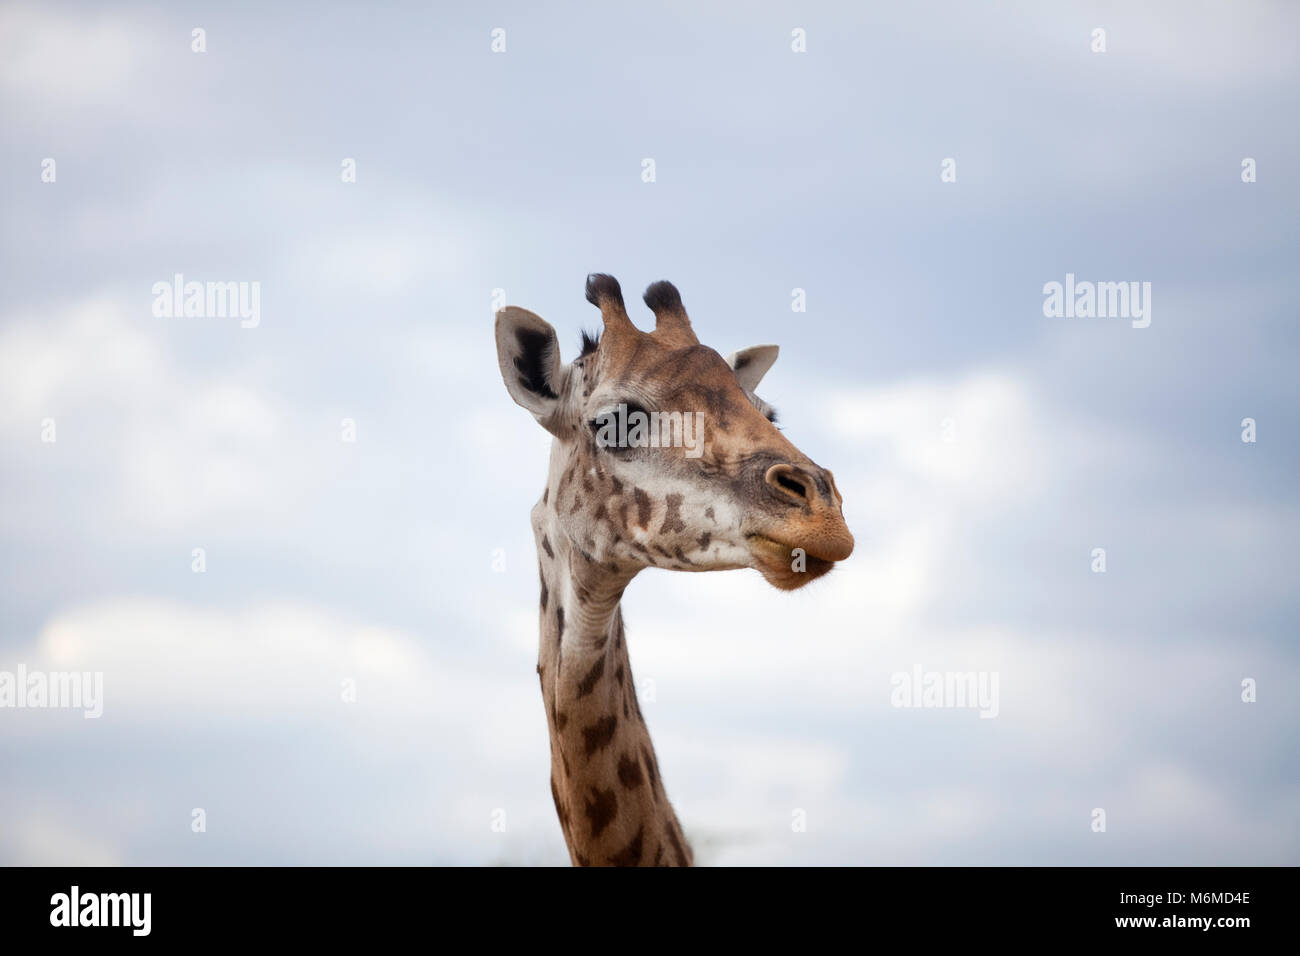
740,495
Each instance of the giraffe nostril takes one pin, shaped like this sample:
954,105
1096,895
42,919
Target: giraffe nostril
790,481
791,485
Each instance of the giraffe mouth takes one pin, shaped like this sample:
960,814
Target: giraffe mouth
784,565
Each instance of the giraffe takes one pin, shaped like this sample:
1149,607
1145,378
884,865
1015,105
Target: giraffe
744,497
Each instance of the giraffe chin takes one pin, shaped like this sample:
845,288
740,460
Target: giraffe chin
774,560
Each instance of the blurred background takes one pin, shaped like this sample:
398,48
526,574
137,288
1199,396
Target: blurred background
403,561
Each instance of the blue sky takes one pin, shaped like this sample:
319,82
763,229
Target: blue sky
373,561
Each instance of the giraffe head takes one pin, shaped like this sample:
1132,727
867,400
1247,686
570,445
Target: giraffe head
664,456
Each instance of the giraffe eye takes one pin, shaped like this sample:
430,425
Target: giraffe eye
611,426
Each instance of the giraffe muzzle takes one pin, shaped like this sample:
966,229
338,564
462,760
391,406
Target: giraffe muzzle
806,541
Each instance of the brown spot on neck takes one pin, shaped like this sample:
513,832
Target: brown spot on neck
629,772
601,807
599,735
630,855
673,516
642,501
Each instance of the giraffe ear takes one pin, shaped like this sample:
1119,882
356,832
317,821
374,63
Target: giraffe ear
529,355
751,364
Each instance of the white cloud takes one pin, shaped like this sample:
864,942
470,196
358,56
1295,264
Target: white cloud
36,838
387,261
974,435
447,737
74,357
88,58
153,444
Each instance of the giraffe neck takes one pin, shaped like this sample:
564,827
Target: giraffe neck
604,776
